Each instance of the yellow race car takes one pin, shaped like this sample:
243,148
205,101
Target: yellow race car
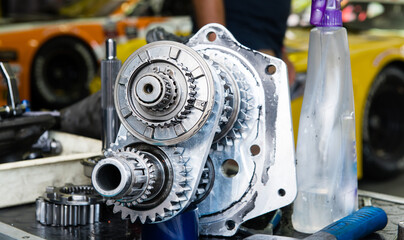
376,40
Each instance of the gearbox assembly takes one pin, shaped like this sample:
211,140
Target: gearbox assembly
207,122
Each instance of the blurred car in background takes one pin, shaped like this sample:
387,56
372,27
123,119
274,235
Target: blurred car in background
376,40
56,57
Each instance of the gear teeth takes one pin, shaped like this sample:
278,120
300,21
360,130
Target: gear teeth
182,198
187,188
229,97
234,133
115,210
183,180
168,212
246,105
229,141
204,181
160,216
175,207
186,169
124,215
241,125
244,116
224,119
152,218
228,109
184,174
219,147
200,191
141,218
191,101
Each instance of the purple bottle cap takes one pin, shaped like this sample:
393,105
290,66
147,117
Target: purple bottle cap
326,13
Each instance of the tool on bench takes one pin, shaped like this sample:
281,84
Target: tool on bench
355,226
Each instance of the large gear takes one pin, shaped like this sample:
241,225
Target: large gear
165,94
161,199
71,205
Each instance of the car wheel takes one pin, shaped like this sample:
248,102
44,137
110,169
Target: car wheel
61,73
383,126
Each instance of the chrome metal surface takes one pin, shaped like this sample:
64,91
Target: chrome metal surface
109,70
258,137
70,205
182,104
164,93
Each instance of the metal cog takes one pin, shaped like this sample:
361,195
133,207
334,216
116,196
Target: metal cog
186,108
171,93
178,193
70,205
235,114
141,167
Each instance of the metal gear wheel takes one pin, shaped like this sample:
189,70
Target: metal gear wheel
163,196
71,205
164,93
238,101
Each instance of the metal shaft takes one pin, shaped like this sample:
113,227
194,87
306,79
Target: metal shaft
13,97
109,70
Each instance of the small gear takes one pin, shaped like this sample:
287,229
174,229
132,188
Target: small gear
170,92
71,205
167,103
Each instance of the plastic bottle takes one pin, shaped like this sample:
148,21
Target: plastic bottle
326,152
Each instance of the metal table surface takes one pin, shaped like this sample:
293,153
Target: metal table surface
112,227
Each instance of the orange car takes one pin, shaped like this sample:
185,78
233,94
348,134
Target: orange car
57,61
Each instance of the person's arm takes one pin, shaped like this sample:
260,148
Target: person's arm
209,11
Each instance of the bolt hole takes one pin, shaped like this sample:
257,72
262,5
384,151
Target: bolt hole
230,224
270,69
148,88
255,150
230,168
211,36
281,192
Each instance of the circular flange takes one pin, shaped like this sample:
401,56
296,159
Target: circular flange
164,93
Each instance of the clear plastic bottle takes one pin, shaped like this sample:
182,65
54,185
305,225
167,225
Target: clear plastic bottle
326,152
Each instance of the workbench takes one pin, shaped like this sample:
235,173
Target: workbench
19,223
